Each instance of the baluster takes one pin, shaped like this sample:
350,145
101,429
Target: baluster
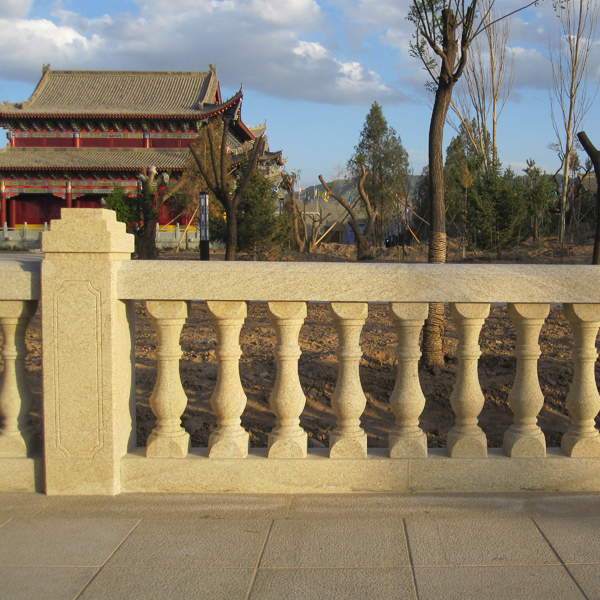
583,401
168,400
287,400
524,438
348,439
17,438
229,439
407,439
466,439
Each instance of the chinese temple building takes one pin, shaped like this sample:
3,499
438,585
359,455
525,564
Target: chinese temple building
83,132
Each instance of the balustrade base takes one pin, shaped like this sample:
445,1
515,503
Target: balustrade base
581,447
22,474
408,447
377,473
231,446
460,445
288,447
21,445
159,446
524,445
348,447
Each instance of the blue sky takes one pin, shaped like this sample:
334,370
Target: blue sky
312,68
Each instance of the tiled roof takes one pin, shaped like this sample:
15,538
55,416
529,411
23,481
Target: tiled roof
119,93
258,130
91,158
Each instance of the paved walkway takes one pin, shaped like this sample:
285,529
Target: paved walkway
229,547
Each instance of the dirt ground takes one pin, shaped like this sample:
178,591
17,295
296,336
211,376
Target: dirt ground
318,365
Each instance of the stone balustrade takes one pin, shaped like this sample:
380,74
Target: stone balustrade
87,286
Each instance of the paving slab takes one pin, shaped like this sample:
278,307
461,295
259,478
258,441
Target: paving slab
477,542
194,543
336,543
22,505
143,583
411,505
61,542
575,539
566,504
532,582
349,584
49,583
142,506
588,578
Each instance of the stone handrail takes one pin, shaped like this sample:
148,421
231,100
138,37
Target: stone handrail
344,282
88,287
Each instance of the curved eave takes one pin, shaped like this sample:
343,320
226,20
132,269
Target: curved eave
72,115
100,168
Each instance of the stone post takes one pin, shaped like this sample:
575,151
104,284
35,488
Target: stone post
583,401
16,434
407,439
348,439
287,400
168,401
466,439
88,361
228,400
524,438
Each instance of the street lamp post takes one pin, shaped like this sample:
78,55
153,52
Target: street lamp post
204,243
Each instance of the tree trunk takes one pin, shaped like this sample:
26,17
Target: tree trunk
363,246
433,330
231,235
594,155
146,243
299,241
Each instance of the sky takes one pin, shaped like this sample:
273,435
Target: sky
311,68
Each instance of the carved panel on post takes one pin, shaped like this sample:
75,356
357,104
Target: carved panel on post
228,440
17,438
168,400
407,439
348,439
466,439
583,401
287,400
524,438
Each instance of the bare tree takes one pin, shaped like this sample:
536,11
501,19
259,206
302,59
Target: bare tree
569,97
594,155
300,227
153,192
363,238
218,176
488,80
444,31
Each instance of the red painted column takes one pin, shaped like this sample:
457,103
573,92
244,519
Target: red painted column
69,195
2,204
12,215
146,139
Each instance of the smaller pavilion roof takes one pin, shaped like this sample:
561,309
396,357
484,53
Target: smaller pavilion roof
121,159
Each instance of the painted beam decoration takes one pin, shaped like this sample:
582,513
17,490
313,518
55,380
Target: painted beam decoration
59,187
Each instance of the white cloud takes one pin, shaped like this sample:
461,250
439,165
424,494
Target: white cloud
280,49
44,41
15,9
312,50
